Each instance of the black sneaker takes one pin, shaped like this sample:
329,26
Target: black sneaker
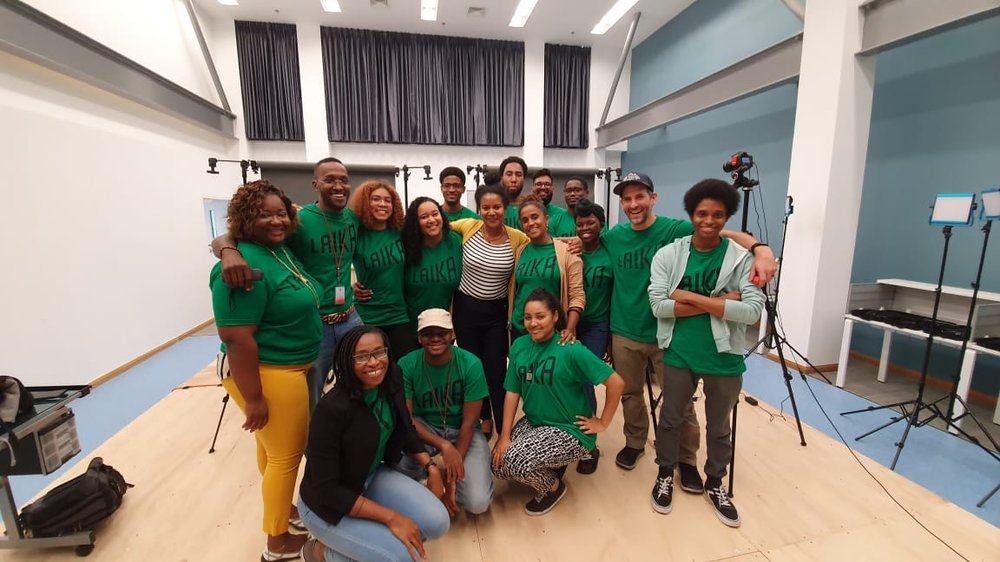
628,456
663,494
724,507
690,479
589,464
545,503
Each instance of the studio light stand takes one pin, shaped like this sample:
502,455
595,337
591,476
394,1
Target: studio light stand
406,180
480,170
605,174
244,165
950,210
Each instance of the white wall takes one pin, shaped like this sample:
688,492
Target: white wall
106,248
316,146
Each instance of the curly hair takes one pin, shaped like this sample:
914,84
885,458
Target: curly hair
362,207
495,189
551,302
712,189
244,208
532,200
343,358
413,237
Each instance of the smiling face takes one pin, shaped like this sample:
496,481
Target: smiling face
272,224
429,219
543,188
512,177
371,360
534,223
573,191
380,201
588,229
436,342
452,190
330,180
709,218
638,202
539,321
492,209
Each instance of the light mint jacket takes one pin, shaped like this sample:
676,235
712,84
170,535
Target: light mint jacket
729,332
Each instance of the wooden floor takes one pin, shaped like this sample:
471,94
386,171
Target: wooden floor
797,503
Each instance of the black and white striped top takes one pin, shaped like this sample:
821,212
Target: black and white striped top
486,268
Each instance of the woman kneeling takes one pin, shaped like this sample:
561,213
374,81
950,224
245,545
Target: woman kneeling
355,507
556,428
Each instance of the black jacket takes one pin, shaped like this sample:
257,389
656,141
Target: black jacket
343,438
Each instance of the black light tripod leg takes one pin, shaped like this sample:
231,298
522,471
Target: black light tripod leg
732,459
791,395
225,401
906,432
987,497
891,421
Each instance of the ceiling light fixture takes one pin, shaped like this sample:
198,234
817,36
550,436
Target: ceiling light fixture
614,14
429,10
523,12
330,6
229,2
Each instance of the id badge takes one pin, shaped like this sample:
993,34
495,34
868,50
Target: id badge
339,295
528,376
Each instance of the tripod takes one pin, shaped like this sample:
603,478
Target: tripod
406,180
918,404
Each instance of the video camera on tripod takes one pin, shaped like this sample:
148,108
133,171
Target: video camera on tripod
737,166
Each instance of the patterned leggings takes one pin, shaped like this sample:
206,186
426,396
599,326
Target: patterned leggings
535,452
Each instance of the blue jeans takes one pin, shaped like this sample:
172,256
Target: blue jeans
594,336
332,334
475,491
363,539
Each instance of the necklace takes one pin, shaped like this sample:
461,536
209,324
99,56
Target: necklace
296,272
494,238
442,409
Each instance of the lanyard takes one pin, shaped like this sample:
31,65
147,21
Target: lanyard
338,257
443,410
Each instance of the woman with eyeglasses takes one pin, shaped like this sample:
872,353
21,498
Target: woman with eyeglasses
351,501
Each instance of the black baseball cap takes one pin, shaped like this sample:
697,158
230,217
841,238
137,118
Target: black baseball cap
634,178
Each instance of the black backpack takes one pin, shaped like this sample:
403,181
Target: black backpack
77,505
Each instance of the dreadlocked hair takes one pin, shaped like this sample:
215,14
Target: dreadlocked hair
343,358
244,208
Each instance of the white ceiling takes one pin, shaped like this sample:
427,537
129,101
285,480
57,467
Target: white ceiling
553,21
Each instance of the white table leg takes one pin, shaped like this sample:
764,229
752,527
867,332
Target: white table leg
883,361
964,383
845,351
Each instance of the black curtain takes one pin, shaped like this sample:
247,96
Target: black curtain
567,96
386,87
269,77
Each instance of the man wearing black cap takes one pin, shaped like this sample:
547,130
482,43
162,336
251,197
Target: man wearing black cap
633,326
452,189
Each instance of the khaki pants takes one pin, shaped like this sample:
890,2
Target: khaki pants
630,359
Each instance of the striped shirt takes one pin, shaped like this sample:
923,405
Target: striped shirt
486,268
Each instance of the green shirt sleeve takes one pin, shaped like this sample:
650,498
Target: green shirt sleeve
237,307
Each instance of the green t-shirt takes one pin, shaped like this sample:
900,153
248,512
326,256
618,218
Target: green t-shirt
550,378
561,224
321,242
386,423
378,262
282,307
597,284
432,282
428,388
512,217
465,213
631,253
536,268
692,345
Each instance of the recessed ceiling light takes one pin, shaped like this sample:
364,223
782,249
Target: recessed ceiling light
614,14
477,11
522,13
330,6
429,10
229,2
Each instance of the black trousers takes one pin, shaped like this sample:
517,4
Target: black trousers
481,328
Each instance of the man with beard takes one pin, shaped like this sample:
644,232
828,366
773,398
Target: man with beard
512,172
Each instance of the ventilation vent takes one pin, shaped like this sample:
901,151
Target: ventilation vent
476,11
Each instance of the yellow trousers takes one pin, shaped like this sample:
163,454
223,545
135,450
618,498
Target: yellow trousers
281,442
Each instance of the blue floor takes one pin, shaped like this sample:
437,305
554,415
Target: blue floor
951,467
113,405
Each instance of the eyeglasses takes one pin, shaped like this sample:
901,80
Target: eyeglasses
543,184
378,355
434,334
336,180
